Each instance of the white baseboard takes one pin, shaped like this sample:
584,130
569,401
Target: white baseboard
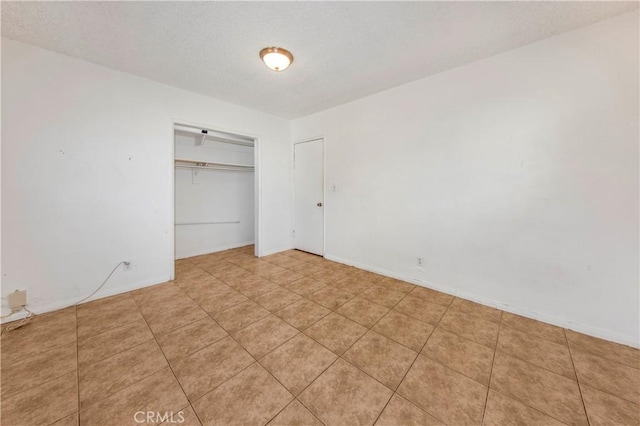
42,309
560,322
549,319
274,251
215,249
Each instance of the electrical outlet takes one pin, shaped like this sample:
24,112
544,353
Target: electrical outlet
17,300
126,266
419,261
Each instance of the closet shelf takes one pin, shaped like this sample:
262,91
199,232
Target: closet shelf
192,164
214,135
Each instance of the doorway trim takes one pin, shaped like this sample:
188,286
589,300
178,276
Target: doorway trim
257,186
324,188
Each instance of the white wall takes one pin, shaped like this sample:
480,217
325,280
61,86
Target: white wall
515,178
87,174
213,196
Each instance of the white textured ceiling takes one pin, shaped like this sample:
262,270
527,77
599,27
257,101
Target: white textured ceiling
343,50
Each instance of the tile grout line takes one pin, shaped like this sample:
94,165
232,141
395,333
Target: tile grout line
255,361
507,354
91,364
493,360
75,310
341,357
275,348
622,364
521,330
19,360
525,361
283,307
395,391
222,383
584,405
414,319
475,318
250,298
608,392
362,371
518,358
212,343
77,366
313,323
527,405
455,371
39,385
141,379
509,396
570,350
312,413
166,359
295,399
371,329
222,310
391,309
313,381
357,340
111,328
537,366
77,412
413,363
129,385
245,349
195,412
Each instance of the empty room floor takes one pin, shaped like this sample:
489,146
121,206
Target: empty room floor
294,339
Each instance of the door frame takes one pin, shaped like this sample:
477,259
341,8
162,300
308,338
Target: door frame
324,188
257,186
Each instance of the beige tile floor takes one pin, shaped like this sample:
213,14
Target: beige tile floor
293,339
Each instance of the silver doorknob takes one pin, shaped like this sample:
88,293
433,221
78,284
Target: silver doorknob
319,204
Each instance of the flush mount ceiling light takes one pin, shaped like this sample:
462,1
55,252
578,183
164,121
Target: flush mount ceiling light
276,58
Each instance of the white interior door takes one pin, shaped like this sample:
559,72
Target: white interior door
308,214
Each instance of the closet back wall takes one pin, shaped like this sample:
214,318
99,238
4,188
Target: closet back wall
206,195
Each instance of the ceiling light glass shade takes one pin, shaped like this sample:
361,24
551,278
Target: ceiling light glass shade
276,58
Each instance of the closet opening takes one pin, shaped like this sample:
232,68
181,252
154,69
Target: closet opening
215,191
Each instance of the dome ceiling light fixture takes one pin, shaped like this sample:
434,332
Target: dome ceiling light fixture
276,58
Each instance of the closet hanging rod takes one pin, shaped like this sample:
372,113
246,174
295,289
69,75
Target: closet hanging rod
192,164
228,169
180,161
